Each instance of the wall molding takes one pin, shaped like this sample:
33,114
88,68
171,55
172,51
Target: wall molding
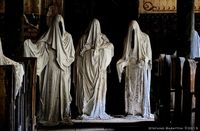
163,6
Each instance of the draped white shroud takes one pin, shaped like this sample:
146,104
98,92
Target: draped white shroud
195,45
137,63
55,53
93,55
19,70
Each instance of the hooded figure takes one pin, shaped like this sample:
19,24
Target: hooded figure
93,55
55,53
19,70
137,58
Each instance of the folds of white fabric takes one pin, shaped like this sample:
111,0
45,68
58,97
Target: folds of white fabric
93,55
55,53
137,63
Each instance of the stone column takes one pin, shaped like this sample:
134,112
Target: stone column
185,25
14,33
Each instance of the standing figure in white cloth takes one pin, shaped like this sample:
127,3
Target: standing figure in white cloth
137,58
55,54
93,55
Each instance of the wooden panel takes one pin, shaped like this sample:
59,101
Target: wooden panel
7,114
185,111
2,6
2,95
197,94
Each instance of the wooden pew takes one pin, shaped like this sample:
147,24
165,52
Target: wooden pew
18,113
197,94
28,92
181,110
7,102
189,99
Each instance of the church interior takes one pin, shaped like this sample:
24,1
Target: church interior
170,25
